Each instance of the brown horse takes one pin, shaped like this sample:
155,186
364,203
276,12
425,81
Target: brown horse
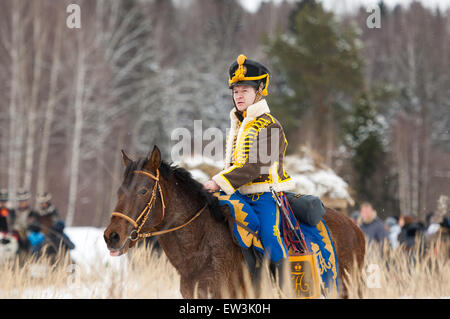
156,198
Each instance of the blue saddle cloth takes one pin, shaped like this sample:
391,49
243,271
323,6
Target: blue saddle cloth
318,240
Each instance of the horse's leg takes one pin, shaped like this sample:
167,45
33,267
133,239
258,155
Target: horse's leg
234,278
228,284
186,287
226,280
204,287
235,284
349,242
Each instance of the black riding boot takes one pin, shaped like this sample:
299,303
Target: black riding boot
253,259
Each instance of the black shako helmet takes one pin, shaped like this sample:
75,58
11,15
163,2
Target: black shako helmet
248,72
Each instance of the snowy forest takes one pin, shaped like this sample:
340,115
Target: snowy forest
374,103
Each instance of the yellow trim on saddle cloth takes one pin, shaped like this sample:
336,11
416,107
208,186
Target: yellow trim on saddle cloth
329,247
247,238
323,262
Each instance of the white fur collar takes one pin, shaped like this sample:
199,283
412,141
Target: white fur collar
254,110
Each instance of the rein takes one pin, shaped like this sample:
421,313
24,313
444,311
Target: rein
145,213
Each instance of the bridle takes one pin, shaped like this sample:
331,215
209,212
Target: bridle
136,233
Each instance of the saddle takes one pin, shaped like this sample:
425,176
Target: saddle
307,209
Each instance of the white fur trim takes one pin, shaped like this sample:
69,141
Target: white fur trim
229,142
277,185
264,187
223,184
257,109
259,188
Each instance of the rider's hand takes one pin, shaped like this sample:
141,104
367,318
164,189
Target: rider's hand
211,186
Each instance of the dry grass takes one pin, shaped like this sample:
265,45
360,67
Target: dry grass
142,275
387,274
398,273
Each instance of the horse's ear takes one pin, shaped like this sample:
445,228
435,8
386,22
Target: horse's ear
126,160
154,160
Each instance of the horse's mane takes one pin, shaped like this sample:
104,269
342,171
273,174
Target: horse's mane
189,184
186,182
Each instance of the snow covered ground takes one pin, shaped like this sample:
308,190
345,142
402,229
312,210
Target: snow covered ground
90,249
94,273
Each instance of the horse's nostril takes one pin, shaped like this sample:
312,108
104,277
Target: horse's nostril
114,238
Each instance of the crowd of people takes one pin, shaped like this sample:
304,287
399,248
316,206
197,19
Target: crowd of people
404,231
31,230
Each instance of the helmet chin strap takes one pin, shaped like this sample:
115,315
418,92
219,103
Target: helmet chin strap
259,95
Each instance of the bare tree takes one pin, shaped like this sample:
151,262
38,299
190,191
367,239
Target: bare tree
14,153
52,99
80,87
39,41
411,60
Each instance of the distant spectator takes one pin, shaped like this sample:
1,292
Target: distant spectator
5,213
393,230
35,237
445,231
371,225
445,227
8,247
438,236
355,216
435,224
410,230
429,219
445,223
433,229
24,217
46,208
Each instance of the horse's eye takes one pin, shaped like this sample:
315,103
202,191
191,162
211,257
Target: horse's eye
142,191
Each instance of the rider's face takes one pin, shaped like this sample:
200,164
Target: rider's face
244,96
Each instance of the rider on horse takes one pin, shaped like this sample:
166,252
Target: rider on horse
46,208
254,159
24,217
6,214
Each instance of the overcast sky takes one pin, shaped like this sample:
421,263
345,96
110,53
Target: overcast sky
340,6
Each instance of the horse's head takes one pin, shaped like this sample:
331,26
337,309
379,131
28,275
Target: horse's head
140,205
